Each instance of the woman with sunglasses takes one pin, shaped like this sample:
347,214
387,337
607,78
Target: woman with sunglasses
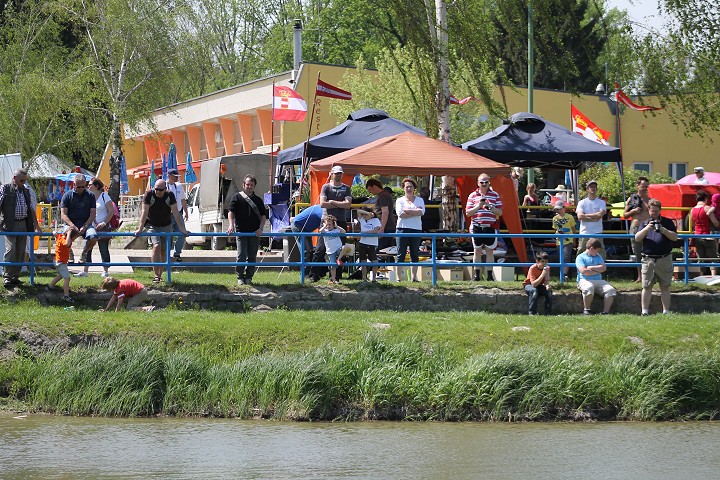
103,213
485,207
409,208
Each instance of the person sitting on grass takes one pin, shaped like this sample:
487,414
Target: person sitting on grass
333,244
537,284
132,292
63,245
368,245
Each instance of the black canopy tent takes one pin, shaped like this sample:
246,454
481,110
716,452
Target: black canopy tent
361,127
528,140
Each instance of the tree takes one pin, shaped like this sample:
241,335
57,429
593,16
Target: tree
132,47
43,94
682,67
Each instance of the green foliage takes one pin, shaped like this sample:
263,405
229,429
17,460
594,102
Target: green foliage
372,379
610,184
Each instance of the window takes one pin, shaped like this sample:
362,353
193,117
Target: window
643,166
677,170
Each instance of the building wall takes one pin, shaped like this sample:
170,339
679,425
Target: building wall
238,119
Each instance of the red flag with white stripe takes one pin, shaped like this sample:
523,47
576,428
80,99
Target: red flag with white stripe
323,89
288,105
621,97
455,101
587,128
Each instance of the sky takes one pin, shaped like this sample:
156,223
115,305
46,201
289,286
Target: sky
645,12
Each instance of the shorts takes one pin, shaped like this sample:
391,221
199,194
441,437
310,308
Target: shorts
490,243
137,299
596,287
660,269
158,240
62,270
332,257
366,252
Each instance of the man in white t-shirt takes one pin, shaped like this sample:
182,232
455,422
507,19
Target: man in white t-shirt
177,189
700,176
590,212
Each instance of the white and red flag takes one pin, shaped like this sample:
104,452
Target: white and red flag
455,101
288,105
323,89
621,97
587,128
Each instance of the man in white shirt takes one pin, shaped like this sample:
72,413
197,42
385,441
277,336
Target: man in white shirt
177,189
700,174
590,211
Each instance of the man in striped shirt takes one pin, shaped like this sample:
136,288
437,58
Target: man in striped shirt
485,207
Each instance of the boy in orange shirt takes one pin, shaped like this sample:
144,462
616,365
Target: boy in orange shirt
537,284
128,290
63,244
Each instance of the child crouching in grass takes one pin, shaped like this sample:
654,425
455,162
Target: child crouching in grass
63,244
130,291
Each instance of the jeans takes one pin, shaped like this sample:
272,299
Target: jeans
104,247
412,243
533,294
247,252
179,240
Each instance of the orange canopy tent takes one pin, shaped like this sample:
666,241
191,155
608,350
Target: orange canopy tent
677,195
411,154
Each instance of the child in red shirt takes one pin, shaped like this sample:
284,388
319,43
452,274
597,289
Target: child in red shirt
130,291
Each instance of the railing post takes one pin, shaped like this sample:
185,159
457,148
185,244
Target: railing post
433,239
168,262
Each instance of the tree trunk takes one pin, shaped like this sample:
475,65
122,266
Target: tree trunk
116,144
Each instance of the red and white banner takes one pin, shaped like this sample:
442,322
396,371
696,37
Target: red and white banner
621,97
587,128
455,101
288,105
323,89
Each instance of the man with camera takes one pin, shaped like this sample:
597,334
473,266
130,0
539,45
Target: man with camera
657,236
485,207
636,208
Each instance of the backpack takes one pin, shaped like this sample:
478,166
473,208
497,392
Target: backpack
115,221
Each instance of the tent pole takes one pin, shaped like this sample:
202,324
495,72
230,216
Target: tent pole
304,163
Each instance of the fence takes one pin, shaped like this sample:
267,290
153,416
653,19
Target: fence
168,265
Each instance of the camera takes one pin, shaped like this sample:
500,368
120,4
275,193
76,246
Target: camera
656,225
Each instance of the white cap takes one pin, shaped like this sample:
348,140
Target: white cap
336,169
699,169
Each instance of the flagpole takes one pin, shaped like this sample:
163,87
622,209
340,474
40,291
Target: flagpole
304,163
618,142
272,135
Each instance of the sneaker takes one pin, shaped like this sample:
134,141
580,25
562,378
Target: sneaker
81,274
157,279
248,281
177,258
605,313
476,277
339,262
105,274
586,312
67,299
48,288
83,257
241,281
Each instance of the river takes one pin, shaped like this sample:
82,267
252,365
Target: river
51,447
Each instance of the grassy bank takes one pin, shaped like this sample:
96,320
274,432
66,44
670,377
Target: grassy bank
374,379
356,365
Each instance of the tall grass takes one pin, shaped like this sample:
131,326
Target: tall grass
372,379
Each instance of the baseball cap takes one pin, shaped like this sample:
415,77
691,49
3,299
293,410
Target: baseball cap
590,182
558,205
174,171
699,169
336,169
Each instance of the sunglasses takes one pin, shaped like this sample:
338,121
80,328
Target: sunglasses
79,187
483,183
159,189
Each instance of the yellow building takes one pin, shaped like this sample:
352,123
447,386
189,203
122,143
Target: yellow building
238,119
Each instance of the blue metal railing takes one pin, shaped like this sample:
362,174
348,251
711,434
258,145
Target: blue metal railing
433,262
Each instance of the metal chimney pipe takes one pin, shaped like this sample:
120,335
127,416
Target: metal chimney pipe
297,47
